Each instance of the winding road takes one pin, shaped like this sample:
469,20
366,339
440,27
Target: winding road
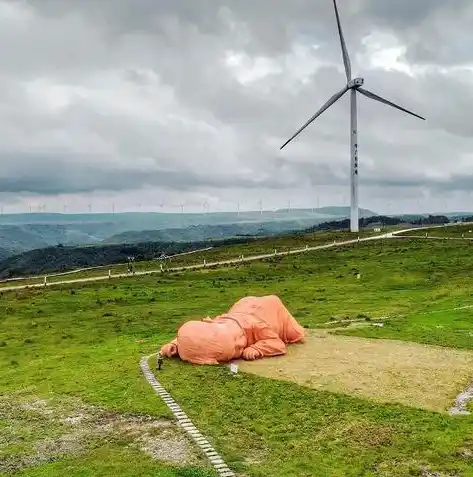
235,261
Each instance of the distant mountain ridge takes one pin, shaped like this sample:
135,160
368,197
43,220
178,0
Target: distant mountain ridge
23,232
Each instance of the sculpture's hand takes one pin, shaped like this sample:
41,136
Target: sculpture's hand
267,343
169,350
250,354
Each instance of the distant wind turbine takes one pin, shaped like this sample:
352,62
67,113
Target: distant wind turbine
354,86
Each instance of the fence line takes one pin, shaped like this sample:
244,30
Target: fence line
240,259
204,264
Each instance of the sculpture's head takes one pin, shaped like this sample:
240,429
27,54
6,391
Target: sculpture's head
210,342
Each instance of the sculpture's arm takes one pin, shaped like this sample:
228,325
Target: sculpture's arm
267,343
169,350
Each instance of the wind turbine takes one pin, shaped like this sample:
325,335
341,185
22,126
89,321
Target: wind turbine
353,85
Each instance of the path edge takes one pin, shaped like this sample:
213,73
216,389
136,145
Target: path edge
215,459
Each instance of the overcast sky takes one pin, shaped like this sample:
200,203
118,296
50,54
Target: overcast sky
152,104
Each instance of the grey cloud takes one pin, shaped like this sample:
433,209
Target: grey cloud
152,102
429,28
51,175
404,14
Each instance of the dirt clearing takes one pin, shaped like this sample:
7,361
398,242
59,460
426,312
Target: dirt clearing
34,431
421,376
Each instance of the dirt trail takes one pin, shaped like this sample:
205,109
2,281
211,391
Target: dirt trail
199,266
389,235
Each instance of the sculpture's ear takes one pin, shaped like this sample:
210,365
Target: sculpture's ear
169,350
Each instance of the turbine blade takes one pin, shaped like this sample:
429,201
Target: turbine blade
346,58
327,105
371,95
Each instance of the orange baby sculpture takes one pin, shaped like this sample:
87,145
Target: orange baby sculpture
255,327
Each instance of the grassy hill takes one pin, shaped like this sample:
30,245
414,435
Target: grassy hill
76,348
178,254
24,232
63,258
4,253
454,231
195,233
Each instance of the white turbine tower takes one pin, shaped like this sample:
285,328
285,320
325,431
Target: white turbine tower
354,86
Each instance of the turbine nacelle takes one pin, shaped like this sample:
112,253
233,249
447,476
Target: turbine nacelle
355,83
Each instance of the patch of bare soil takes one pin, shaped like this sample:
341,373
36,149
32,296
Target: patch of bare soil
421,376
428,473
41,431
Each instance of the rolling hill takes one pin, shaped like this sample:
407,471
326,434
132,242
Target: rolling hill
23,232
61,258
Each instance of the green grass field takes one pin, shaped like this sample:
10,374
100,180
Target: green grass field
455,231
253,247
79,347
